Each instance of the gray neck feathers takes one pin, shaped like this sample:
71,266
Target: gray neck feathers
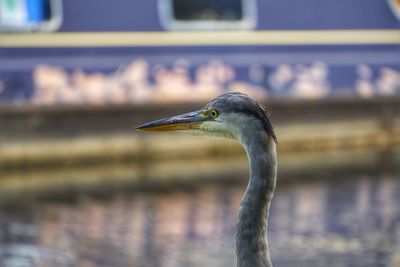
251,236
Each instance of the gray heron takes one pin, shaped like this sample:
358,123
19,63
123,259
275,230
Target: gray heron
237,116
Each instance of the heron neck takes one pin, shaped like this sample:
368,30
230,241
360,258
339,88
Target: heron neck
251,236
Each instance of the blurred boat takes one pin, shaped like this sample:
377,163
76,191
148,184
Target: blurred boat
328,71
167,51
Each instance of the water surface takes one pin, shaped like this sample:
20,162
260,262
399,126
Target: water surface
351,221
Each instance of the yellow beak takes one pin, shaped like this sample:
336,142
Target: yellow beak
188,121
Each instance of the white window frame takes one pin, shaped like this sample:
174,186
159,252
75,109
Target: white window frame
395,8
53,24
168,22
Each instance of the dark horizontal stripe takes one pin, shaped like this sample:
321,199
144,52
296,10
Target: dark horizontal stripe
263,58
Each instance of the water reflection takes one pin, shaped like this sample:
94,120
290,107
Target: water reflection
352,221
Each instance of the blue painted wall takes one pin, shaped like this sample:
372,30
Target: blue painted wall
363,70
128,15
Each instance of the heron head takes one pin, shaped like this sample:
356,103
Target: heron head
231,115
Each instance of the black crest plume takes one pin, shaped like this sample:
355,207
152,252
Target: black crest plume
241,103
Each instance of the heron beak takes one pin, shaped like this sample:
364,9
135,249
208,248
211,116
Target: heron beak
188,121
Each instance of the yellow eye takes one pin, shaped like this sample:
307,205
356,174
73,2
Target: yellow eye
214,113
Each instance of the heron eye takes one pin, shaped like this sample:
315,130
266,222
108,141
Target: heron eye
214,113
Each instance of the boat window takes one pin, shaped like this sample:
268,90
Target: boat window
207,14
30,15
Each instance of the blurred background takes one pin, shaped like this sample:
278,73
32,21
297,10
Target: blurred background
80,187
